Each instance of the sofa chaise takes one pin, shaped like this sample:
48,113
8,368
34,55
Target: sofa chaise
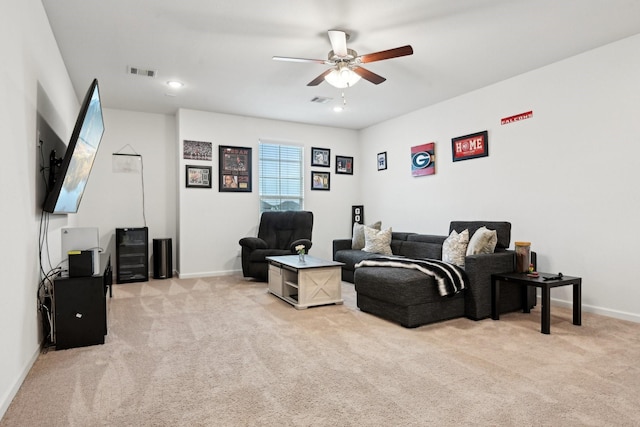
411,298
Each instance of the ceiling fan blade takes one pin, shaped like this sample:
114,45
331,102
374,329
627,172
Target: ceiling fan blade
319,79
338,42
288,59
368,75
386,54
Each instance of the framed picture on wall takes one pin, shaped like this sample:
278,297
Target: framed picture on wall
423,159
320,180
470,146
197,150
320,157
198,176
235,169
382,160
344,165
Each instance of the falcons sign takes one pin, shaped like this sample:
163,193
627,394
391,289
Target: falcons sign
423,159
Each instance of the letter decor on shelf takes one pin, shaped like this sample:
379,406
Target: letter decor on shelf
470,146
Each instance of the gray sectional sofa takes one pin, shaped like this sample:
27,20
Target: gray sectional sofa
411,298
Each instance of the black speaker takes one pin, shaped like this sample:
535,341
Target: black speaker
80,263
80,311
357,214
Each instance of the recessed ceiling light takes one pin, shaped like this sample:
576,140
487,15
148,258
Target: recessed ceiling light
338,109
175,84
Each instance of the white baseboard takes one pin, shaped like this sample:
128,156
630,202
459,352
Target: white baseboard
208,274
623,315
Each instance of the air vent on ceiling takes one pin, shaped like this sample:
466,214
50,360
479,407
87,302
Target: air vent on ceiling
321,99
142,72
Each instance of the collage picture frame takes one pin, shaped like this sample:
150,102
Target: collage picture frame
198,176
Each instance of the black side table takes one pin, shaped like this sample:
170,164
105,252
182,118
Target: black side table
545,285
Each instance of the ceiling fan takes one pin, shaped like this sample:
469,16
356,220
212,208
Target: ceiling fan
346,70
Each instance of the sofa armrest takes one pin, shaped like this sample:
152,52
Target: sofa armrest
339,245
479,269
253,243
305,242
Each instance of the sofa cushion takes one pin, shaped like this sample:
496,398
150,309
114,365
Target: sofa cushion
357,241
398,286
351,257
483,241
454,249
503,230
414,248
377,241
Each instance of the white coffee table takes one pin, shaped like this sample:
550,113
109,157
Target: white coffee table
305,284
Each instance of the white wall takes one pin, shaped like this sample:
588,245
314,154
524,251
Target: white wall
34,89
565,178
211,222
115,199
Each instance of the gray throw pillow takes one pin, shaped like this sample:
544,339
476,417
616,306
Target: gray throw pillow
377,242
357,242
483,241
454,249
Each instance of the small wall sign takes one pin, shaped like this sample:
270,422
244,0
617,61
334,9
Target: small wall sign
423,159
470,146
516,118
382,161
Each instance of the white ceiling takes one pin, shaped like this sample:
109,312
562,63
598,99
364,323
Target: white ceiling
222,49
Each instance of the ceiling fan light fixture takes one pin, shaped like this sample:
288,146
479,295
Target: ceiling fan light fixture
342,77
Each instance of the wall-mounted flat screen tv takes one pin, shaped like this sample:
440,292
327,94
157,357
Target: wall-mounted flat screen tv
70,179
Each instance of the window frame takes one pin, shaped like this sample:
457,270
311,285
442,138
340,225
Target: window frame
280,196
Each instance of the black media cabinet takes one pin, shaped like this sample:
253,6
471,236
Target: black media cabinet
80,308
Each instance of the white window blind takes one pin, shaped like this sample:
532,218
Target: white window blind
281,177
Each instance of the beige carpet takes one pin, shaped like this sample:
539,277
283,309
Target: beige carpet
222,352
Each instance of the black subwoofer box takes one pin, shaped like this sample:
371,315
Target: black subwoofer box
80,263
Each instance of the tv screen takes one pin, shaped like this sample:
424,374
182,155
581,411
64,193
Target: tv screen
70,181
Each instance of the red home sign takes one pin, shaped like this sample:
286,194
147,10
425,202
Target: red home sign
470,146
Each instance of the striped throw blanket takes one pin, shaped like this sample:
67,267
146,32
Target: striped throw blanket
449,278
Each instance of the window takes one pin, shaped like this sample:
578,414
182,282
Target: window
281,185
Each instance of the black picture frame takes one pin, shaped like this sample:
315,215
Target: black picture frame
344,165
382,161
470,146
197,150
197,176
320,180
234,174
321,157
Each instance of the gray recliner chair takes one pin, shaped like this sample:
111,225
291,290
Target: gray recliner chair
278,234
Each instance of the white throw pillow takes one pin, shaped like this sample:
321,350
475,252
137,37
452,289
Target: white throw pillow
377,242
357,242
454,248
483,241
